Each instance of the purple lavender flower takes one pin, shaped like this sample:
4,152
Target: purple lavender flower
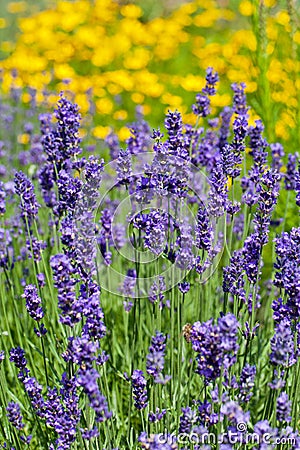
140,139
287,268
119,235
35,248
102,358
124,167
184,287
17,356
173,124
41,279
156,358
204,231
268,191
157,416
155,237
277,155
34,392
246,383
53,407
281,310
157,290
202,105
25,189
41,330
212,79
278,382
282,345
206,416
81,351
6,249
45,123
104,239
139,389
284,408
2,199
87,379
69,191
33,302
216,345
129,283
262,429
46,177
92,176
228,161
14,415
63,273
252,257
218,193
89,434
234,412
62,142
113,144
297,187
62,412
239,99
89,305
258,145
188,418
2,356
290,176
185,257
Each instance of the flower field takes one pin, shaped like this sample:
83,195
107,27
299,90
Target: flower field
149,225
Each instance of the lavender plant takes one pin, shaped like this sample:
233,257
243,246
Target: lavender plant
150,299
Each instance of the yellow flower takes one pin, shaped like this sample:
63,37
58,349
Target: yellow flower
246,8
174,101
283,18
137,98
23,138
296,37
104,106
207,18
137,59
2,22
193,83
123,134
63,71
101,132
131,11
16,7
120,115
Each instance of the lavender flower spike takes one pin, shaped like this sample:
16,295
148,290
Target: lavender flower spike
14,415
139,389
25,189
33,302
156,358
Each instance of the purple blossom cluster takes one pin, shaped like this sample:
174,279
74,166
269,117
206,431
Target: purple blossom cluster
139,389
156,358
28,203
216,346
228,347
33,302
202,105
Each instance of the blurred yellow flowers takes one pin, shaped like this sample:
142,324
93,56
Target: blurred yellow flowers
128,60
